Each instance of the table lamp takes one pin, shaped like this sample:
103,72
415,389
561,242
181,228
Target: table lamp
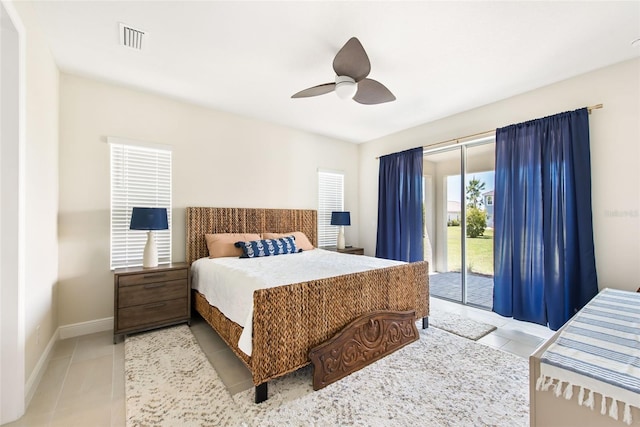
149,219
341,219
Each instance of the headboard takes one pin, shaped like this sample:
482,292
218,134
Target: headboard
201,221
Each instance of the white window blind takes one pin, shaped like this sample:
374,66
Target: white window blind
330,198
141,177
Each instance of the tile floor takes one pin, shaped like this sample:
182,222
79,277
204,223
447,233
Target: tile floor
84,382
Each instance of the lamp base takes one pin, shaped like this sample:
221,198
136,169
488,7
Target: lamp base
150,258
341,238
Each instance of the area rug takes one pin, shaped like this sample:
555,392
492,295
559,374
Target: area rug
459,325
440,380
170,382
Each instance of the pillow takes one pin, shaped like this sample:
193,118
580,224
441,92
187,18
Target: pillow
268,247
302,241
223,244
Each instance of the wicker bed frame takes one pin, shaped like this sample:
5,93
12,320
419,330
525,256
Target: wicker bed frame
301,316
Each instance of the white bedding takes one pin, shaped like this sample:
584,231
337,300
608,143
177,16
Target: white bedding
228,283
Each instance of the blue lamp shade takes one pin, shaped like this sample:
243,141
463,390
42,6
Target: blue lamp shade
149,219
340,218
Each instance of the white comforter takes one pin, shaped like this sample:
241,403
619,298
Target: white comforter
228,283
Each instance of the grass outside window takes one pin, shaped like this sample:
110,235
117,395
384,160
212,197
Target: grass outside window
479,252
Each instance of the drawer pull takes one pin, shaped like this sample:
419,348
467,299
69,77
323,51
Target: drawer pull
156,305
154,276
154,285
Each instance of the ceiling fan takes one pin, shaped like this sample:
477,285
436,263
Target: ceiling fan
352,66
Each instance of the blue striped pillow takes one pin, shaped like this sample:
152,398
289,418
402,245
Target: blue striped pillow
267,247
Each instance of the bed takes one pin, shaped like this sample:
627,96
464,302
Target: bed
290,320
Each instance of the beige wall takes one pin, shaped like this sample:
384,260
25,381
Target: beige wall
615,156
219,159
40,189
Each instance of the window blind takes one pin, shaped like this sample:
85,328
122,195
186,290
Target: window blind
330,198
141,177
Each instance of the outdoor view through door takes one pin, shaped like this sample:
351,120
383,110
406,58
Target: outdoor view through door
458,218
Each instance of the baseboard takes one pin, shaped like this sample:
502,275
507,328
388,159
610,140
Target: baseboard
38,371
86,328
63,332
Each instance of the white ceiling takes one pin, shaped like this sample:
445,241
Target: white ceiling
438,58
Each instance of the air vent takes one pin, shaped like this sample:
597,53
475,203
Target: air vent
131,37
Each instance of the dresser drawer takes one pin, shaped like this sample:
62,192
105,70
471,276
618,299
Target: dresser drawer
148,314
152,277
152,292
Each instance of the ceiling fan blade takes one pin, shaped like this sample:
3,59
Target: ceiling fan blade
315,91
373,92
352,61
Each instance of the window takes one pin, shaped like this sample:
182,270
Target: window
140,176
330,198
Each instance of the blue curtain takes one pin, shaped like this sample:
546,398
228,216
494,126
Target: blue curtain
400,207
543,236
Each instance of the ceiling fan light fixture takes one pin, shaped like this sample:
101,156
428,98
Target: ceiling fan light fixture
352,67
346,87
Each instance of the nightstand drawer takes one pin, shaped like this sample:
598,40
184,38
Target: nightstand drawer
152,277
152,292
352,251
147,298
147,314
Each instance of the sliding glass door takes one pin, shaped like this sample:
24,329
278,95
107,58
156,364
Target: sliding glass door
458,205
479,184
443,239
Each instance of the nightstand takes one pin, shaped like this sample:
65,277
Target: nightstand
147,298
352,250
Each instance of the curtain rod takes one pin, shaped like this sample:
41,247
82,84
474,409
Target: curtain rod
488,132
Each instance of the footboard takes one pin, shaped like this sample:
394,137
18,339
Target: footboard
290,320
367,339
